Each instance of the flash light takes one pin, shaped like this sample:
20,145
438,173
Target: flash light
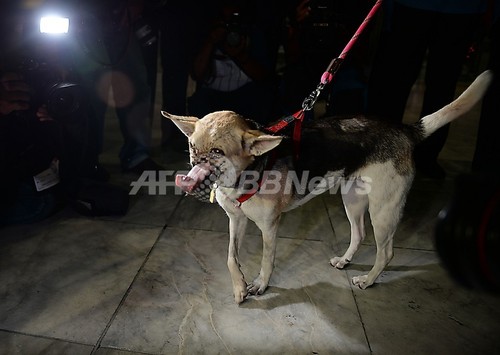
54,25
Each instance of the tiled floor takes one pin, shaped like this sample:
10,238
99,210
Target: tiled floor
155,281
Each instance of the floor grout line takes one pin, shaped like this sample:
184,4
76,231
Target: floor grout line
127,292
350,283
359,314
10,331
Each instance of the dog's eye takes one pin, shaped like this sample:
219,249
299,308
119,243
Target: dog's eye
217,151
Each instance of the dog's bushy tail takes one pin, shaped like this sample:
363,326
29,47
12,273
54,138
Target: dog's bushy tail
472,95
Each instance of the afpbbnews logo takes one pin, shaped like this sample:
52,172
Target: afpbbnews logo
161,182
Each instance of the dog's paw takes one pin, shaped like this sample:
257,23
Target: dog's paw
257,287
240,296
339,262
361,281
240,292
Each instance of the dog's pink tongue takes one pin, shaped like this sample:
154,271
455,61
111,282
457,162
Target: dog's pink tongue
189,182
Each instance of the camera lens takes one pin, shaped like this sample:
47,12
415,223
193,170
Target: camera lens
233,39
63,99
468,233
144,33
235,30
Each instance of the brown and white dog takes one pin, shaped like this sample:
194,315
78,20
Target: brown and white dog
231,158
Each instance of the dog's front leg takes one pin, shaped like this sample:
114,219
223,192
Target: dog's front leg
237,227
269,230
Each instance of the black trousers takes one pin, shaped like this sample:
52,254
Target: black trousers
415,37
487,153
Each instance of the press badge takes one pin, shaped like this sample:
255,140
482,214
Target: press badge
48,178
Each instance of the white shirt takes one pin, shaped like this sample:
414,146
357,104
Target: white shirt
227,74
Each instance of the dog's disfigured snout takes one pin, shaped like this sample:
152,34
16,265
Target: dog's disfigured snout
196,175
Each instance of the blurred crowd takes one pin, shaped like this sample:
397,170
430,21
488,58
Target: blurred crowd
258,58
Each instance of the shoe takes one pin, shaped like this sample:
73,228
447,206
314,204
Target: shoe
147,164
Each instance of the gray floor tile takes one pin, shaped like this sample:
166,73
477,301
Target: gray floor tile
64,279
194,214
183,301
416,308
13,344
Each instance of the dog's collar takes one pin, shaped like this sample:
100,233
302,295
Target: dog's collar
261,166
264,166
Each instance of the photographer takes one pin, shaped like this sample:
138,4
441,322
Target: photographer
28,137
46,163
44,151
235,66
108,52
29,155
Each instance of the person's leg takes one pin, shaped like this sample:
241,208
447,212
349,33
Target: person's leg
447,50
348,95
91,75
398,62
180,31
132,95
175,72
486,155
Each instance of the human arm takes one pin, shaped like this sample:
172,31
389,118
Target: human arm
238,51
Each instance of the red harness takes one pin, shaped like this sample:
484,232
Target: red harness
296,118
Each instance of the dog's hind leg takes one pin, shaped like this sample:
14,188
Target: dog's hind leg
386,202
384,234
237,227
355,205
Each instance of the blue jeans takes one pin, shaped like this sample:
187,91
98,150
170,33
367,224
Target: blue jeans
119,65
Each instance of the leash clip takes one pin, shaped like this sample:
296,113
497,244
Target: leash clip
326,78
309,102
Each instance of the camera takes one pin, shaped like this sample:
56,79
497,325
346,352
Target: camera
331,24
467,234
235,30
42,40
144,32
60,97
320,6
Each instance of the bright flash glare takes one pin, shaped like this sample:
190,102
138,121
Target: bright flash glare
54,24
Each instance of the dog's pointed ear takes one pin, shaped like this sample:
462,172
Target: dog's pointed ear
258,143
185,123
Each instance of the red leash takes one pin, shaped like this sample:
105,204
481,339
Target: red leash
309,102
335,63
326,78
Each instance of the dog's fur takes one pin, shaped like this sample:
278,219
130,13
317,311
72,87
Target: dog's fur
369,151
